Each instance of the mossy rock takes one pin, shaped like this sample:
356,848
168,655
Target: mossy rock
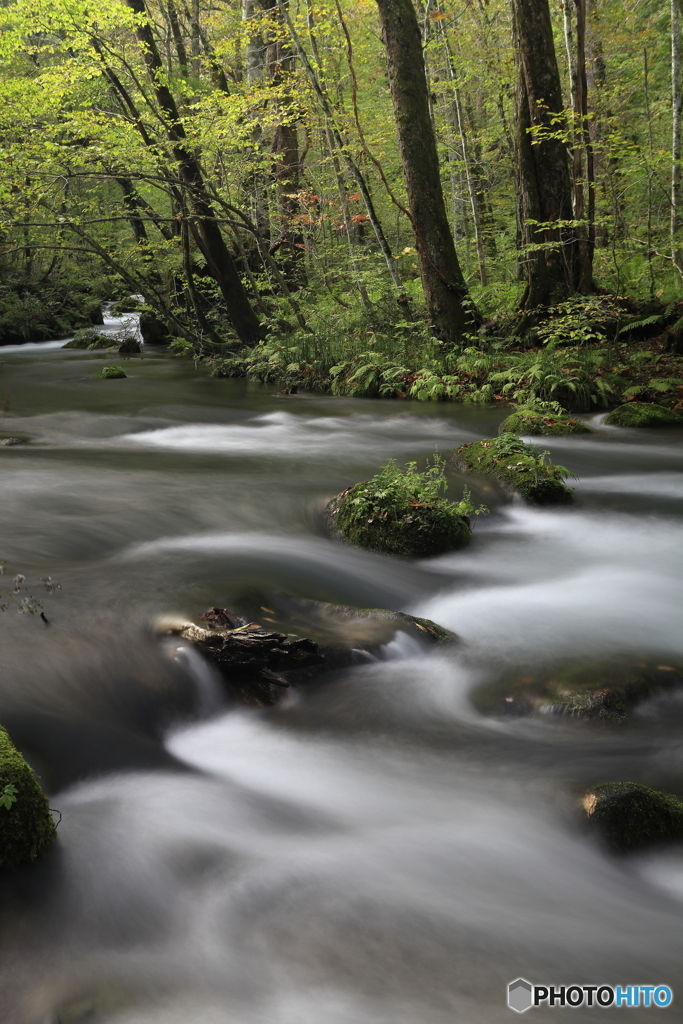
127,305
89,338
604,692
110,373
528,421
26,827
409,532
629,816
643,414
520,467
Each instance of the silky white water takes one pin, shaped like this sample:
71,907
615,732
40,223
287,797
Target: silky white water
372,850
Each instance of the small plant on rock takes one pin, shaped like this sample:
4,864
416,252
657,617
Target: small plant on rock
403,512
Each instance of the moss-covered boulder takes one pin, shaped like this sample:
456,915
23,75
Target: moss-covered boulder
110,373
402,512
528,421
26,825
629,816
643,414
89,338
520,467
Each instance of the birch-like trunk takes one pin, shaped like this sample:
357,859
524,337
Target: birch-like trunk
676,101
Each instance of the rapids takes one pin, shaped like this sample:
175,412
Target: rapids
372,850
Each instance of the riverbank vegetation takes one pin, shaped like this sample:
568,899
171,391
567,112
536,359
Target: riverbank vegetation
380,197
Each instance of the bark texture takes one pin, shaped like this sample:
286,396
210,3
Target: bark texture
445,290
209,236
544,188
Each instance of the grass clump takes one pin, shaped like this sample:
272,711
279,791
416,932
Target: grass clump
643,414
542,419
403,512
26,825
519,465
114,372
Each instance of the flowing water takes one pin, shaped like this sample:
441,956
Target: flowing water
372,850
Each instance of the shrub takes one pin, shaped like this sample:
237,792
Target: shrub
519,465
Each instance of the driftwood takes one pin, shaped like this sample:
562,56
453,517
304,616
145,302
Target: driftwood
249,658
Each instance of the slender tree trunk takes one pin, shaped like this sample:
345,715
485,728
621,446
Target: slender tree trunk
215,251
676,103
584,178
446,294
543,182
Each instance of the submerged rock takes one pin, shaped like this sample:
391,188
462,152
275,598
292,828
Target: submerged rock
8,442
629,816
26,825
110,373
520,467
606,692
528,421
643,414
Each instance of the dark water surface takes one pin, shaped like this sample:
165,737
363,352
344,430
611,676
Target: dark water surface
370,851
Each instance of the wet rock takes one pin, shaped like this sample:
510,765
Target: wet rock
26,825
530,422
601,692
643,414
129,346
8,442
251,659
521,468
153,329
629,816
110,373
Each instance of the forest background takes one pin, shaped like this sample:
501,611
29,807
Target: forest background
469,200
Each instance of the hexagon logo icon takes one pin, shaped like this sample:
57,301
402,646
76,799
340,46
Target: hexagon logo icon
519,995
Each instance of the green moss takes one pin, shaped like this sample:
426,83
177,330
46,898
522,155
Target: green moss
400,512
521,466
110,373
89,338
630,816
26,826
527,421
643,414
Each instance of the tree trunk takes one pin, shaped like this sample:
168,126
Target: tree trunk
676,102
214,249
448,303
544,191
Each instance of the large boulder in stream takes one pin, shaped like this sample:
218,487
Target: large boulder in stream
629,817
26,825
521,468
153,329
88,338
302,640
401,512
643,414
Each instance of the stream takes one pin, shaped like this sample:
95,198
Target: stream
371,850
